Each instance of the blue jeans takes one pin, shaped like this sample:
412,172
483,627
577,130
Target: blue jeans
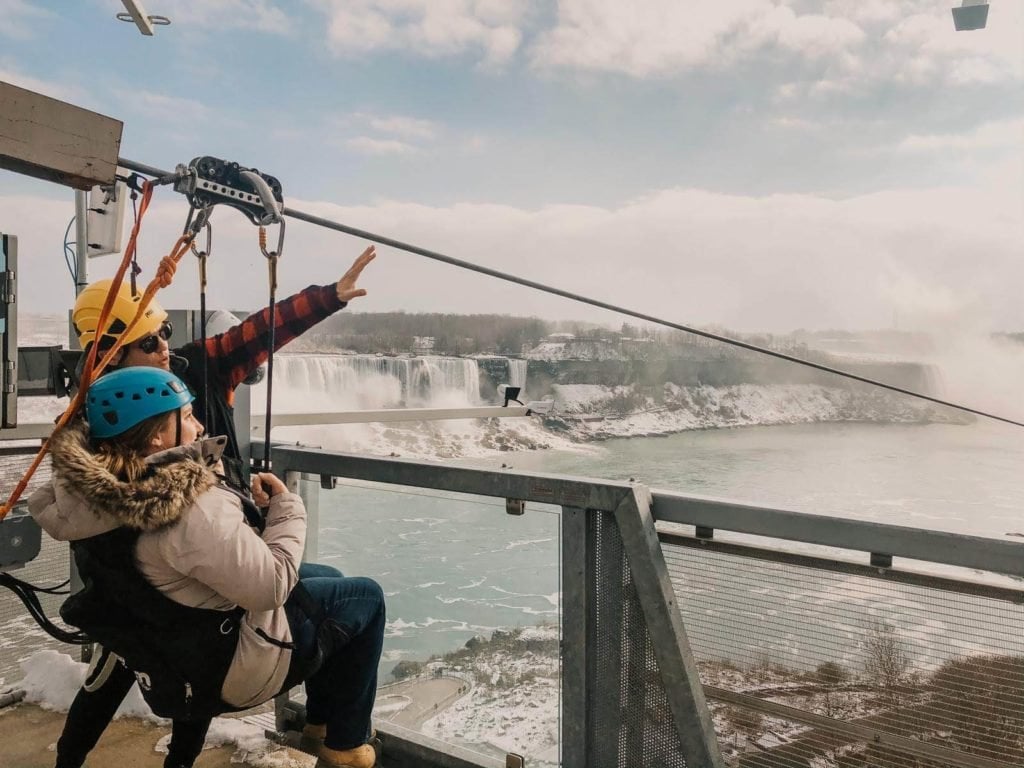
316,570
341,693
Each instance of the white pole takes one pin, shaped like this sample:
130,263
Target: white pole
81,240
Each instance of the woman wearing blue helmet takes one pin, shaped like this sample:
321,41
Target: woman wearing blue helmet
201,606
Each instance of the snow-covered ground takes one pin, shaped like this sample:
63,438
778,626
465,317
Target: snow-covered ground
51,680
513,705
595,412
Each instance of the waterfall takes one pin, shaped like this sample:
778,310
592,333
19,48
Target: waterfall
517,373
313,383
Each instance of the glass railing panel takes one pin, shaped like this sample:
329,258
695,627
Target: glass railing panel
471,647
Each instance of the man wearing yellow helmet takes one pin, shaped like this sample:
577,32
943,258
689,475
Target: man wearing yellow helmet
230,358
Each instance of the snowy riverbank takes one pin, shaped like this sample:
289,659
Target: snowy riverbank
587,412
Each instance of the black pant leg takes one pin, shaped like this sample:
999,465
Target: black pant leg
90,714
187,738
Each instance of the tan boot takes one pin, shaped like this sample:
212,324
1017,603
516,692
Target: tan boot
358,757
312,739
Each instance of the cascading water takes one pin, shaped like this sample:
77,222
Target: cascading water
312,383
355,382
517,373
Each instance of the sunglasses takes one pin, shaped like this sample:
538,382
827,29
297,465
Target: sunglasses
150,344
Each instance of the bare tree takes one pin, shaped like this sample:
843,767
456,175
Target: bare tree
745,721
886,661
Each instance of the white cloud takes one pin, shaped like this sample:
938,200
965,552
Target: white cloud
997,134
160,105
401,125
862,43
367,145
771,263
61,91
787,122
938,53
18,18
429,28
663,37
260,15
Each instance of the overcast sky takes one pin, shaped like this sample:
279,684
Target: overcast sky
756,164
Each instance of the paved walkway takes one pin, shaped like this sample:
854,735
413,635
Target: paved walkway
420,698
28,733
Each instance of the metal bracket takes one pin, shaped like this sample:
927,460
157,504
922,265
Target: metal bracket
515,506
8,286
513,760
879,560
703,532
212,181
328,482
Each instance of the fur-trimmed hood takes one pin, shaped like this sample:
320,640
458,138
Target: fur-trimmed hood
171,486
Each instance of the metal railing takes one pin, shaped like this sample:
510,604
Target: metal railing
702,632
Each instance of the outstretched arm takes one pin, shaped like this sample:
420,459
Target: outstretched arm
237,352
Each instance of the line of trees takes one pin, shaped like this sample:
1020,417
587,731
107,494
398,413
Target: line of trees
452,334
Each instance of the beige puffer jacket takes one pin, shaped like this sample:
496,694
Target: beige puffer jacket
195,546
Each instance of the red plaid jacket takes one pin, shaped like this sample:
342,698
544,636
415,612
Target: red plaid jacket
233,355
236,353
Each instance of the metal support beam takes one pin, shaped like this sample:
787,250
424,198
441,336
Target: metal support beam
668,635
309,490
573,741
977,552
391,414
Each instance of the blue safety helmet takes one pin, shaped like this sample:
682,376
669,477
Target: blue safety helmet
118,401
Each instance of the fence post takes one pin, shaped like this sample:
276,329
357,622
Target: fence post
573,737
668,635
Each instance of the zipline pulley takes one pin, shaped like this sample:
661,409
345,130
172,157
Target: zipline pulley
208,181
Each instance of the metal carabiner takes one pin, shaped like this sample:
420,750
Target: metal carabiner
209,242
194,223
280,241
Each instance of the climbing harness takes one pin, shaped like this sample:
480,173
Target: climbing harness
29,595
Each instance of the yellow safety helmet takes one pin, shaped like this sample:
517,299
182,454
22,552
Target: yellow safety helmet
89,304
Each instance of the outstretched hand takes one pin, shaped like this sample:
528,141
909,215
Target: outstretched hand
346,286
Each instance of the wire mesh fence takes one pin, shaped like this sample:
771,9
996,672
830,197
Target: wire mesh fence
799,653
629,722
20,636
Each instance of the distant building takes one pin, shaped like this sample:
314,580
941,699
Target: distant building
556,337
423,343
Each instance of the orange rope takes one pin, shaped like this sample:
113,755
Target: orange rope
92,369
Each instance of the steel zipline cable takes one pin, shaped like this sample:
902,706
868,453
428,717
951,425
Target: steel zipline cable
319,221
